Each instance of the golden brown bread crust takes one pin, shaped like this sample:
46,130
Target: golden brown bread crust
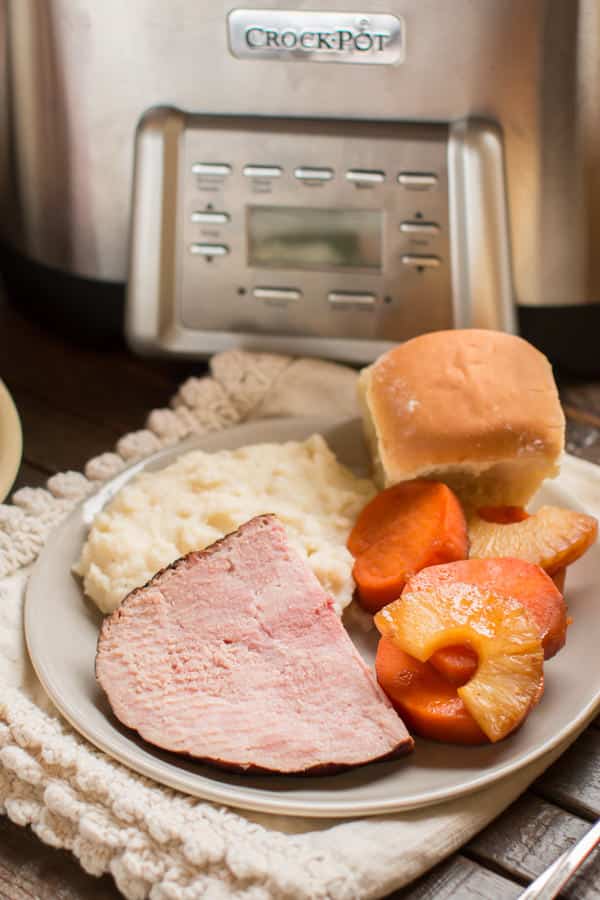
478,409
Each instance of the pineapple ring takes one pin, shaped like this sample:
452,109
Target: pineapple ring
510,670
551,538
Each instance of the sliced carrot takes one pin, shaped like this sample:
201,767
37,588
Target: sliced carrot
515,578
503,515
401,531
428,704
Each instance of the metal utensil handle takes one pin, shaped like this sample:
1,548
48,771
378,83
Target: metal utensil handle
550,882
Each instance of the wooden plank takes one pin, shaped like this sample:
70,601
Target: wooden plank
459,879
54,440
573,782
104,385
30,869
528,837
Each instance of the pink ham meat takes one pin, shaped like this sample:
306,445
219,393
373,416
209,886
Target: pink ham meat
235,656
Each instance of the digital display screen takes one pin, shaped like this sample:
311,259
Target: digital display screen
301,238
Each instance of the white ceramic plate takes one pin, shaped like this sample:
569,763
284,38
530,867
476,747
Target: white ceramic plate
11,442
62,626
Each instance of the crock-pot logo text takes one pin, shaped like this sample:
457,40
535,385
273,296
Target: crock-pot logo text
316,36
340,39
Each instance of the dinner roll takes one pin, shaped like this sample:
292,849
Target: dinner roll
476,409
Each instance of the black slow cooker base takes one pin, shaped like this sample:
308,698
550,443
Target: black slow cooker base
568,335
90,312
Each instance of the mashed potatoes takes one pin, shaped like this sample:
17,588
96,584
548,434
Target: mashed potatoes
162,515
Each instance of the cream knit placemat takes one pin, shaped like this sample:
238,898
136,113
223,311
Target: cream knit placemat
158,843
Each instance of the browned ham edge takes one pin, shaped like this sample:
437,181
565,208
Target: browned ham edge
234,656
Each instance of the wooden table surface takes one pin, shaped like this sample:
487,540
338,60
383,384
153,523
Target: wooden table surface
74,403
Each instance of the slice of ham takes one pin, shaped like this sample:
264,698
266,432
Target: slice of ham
234,655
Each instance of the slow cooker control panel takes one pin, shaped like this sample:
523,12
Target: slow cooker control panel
313,228
314,236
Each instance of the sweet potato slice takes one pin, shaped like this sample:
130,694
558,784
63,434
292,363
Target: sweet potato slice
509,675
401,531
456,664
428,704
559,578
515,578
503,515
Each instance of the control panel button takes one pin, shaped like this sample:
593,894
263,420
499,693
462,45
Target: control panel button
262,171
266,293
205,217
209,249
348,298
365,176
420,227
306,173
218,169
417,261
418,181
